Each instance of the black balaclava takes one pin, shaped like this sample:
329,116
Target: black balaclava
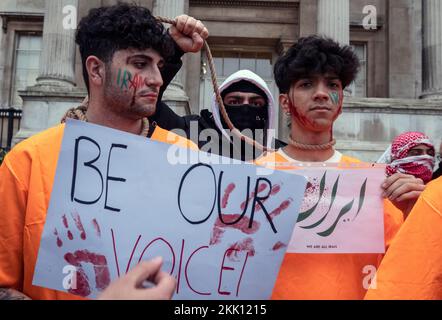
246,116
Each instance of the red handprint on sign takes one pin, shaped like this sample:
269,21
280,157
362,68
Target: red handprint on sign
80,257
244,224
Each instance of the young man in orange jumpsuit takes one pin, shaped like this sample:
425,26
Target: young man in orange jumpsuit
311,77
121,37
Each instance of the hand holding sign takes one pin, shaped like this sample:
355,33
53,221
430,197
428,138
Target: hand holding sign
129,286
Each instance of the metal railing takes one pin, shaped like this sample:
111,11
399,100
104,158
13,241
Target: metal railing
9,125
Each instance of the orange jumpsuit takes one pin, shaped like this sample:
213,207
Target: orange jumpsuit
412,267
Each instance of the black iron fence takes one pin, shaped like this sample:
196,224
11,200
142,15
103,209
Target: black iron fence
9,125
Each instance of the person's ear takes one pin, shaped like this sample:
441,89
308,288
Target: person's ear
96,70
284,102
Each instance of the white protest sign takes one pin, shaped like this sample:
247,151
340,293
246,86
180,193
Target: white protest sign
117,199
342,210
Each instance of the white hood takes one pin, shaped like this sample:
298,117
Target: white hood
260,83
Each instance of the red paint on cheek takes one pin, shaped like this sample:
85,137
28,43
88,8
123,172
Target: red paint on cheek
134,97
303,120
137,82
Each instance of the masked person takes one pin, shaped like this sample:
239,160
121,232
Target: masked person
250,107
411,153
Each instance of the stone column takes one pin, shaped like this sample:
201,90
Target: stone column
45,103
432,73
284,120
2,65
334,22
174,96
334,19
58,56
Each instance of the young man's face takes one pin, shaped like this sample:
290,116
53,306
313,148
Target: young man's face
133,82
314,102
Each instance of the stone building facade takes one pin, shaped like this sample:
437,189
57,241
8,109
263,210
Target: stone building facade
399,43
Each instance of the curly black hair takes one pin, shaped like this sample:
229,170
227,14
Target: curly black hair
106,30
315,55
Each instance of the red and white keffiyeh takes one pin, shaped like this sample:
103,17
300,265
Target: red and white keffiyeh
418,166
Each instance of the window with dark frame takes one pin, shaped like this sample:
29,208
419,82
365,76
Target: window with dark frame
359,86
28,46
